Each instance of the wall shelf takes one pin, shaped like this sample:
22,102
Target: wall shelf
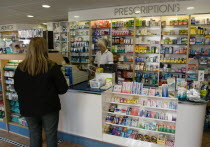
139,105
144,130
145,118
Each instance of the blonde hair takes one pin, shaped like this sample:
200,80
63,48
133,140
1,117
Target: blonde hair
36,60
103,42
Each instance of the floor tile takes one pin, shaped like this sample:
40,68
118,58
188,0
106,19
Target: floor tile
24,140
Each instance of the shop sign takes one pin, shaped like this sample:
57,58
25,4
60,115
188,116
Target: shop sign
177,7
149,9
7,28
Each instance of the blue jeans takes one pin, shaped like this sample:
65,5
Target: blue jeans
50,124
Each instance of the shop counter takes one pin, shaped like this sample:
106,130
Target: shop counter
83,115
81,112
190,122
85,87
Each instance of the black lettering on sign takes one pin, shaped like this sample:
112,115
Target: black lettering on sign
116,10
163,8
150,8
121,11
171,8
143,9
126,11
131,10
4,27
156,8
146,9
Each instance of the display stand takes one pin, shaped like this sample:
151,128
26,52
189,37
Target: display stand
4,59
142,103
61,37
80,45
190,118
154,47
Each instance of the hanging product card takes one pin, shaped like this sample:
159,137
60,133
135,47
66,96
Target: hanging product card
117,88
196,84
171,84
201,75
152,91
145,91
179,82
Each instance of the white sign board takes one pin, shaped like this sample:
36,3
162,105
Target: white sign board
156,9
16,27
9,27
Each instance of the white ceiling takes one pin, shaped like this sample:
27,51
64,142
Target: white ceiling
15,11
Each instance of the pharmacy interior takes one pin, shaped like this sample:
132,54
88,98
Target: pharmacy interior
154,95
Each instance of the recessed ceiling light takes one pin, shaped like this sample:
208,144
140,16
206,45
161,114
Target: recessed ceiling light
44,23
46,6
190,8
76,16
30,16
137,11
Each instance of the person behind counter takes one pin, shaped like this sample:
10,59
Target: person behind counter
104,56
38,81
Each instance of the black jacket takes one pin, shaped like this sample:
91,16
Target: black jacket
38,95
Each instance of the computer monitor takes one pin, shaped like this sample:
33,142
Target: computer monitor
109,68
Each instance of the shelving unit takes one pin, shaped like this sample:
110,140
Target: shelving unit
80,52
147,47
123,35
129,117
124,104
7,72
2,110
200,42
10,96
99,29
25,36
134,128
174,46
165,39
61,37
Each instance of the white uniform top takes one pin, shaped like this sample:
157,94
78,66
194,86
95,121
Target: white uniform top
105,58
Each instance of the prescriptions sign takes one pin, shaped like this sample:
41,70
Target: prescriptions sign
149,9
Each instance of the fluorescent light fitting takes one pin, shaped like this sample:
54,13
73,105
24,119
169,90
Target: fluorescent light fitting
46,6
44,23
190,8
30,16
76,16
137,11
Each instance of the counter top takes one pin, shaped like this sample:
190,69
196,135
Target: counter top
85,87
193,102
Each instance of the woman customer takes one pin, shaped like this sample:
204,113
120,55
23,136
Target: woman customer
104,56
38,82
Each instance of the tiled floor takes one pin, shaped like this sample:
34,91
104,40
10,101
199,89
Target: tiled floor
23,140
206,139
